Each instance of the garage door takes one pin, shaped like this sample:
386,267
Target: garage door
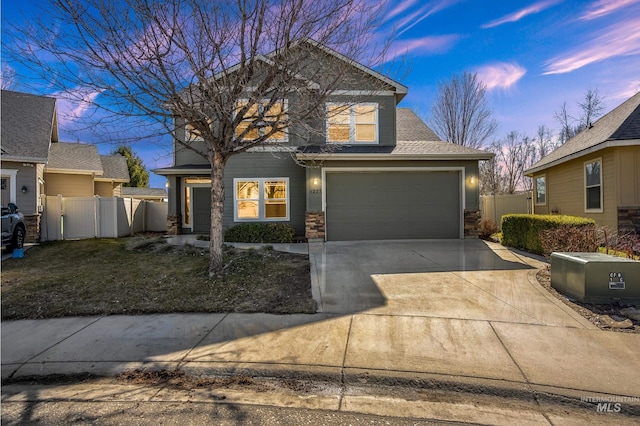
392,205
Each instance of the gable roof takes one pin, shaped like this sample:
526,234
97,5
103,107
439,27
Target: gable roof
74,158
400,89
29,125
114,168
619,127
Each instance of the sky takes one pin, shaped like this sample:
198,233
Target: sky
531,55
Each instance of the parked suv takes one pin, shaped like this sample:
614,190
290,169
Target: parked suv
13,229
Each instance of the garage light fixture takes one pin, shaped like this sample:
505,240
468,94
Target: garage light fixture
472,180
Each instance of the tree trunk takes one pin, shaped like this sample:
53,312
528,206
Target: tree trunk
217,209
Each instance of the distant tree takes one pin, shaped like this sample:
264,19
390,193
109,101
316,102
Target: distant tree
516,155
591,108
492,179
544,143
8,81
138,174
460,113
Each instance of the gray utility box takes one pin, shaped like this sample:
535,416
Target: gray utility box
596,277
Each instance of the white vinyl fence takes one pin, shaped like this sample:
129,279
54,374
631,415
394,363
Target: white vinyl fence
495,206
68,218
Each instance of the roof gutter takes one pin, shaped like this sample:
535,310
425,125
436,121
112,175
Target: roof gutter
392,157
19,159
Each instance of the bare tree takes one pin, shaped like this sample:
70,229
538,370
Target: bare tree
492,180
222,68
544,142
592,107
516,154
8,81
460,113
567,127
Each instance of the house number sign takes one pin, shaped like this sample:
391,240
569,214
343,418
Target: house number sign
616,281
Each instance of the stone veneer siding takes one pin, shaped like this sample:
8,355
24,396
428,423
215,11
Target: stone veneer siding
629,219
174,224
314,225
472,223
32,223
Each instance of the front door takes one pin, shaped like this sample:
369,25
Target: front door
201,210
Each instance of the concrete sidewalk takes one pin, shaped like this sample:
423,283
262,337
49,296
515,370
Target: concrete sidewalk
494,329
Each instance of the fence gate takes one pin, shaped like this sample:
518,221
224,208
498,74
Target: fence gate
102,217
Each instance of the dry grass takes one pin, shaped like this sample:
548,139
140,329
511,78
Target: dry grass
145,275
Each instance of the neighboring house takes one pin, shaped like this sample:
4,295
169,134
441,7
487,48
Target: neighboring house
77,170
28,127
596,174
35,164
147,194
386,175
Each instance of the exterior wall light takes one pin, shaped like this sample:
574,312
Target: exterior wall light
472,180
316,181
24,189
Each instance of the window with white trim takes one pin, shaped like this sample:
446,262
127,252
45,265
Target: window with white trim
265,113
541,190
593,185
352,123
261,199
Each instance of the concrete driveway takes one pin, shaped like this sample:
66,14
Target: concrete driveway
450,313
462,279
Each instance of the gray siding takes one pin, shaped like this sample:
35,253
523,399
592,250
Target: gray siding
266,165
27,176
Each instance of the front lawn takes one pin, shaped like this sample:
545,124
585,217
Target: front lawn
145,275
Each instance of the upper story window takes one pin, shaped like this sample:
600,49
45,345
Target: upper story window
192,133
352,123
593,185
541,190
266,114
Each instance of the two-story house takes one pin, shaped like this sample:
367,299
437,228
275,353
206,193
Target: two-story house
371,170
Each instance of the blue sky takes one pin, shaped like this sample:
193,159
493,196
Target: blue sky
531,55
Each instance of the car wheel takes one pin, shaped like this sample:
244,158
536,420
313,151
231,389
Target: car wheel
18,238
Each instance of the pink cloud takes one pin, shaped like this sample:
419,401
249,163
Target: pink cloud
516,16
73,104
404,5
500,75
604,7
428,44
620,39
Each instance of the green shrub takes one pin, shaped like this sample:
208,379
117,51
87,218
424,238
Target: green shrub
260,233
522,231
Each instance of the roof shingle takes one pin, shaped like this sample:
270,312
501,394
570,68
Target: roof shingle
27,125
114,167
77,157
